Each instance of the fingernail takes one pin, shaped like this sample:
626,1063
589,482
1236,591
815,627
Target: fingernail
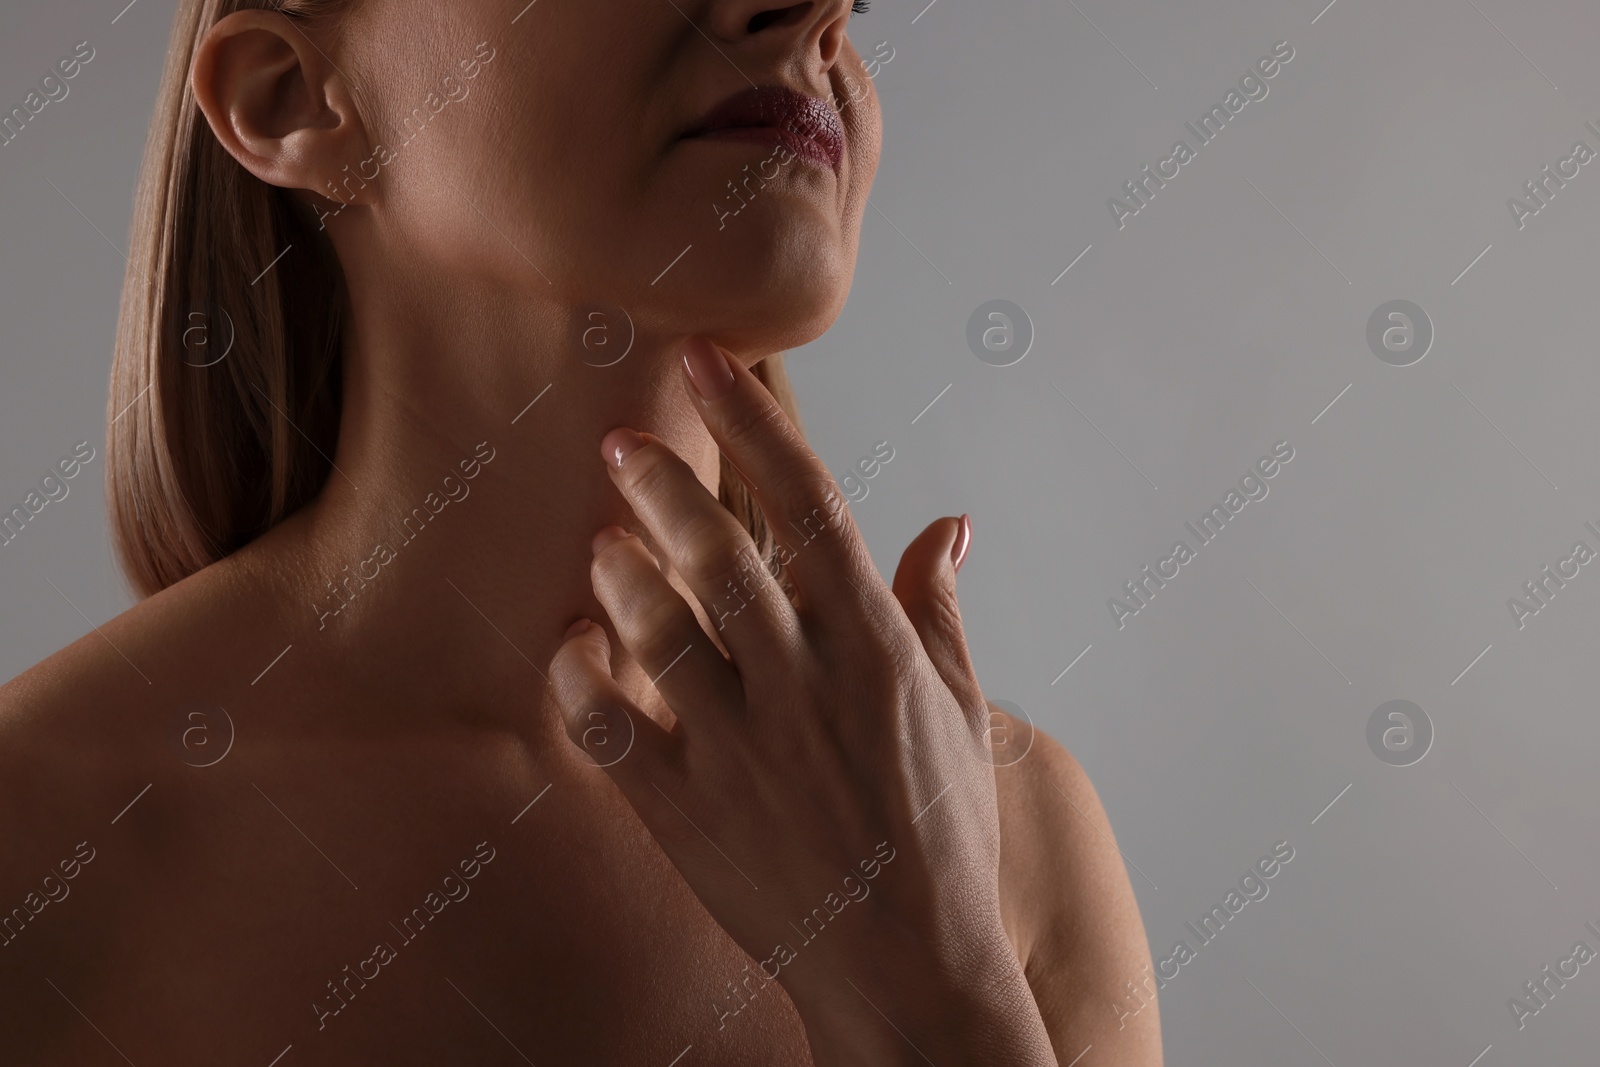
575,629
958,551
619,444
604,536
708,368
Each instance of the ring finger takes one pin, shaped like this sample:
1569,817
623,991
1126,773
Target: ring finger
659,630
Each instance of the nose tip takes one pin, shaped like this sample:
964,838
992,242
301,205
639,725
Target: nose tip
816,25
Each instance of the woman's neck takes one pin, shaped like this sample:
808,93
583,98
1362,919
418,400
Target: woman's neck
453,533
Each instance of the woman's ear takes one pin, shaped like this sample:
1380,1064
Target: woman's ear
276,102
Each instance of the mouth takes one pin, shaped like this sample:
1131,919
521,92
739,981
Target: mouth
773,114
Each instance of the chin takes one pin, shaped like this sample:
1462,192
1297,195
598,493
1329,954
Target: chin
773,285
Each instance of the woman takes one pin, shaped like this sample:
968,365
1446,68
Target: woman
478,712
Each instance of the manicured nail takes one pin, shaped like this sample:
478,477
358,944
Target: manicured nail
708,368
604,536
619,444
958,551
575,629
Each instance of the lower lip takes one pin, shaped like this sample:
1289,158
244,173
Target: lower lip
802,147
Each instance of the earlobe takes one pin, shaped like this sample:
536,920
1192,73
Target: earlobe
275,102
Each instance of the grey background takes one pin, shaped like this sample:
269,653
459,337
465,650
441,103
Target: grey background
1223,718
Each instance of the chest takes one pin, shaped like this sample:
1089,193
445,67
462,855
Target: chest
348,924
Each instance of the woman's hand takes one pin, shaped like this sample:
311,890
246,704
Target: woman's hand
827,791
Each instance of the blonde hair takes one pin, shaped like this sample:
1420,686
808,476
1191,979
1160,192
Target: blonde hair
203,459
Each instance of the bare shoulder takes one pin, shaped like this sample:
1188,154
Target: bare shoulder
1067,900
80,728
93,788
83,732
71,753
106,711
82,705
63,723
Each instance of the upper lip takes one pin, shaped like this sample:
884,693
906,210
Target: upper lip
778,107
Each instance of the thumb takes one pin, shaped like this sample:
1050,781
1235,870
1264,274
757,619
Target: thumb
925,585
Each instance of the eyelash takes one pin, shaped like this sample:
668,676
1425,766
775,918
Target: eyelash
860,6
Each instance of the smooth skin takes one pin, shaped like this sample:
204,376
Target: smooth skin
433,744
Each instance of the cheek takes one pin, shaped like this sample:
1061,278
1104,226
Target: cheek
526,175
861,112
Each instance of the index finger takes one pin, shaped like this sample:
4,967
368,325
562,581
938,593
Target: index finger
809,515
